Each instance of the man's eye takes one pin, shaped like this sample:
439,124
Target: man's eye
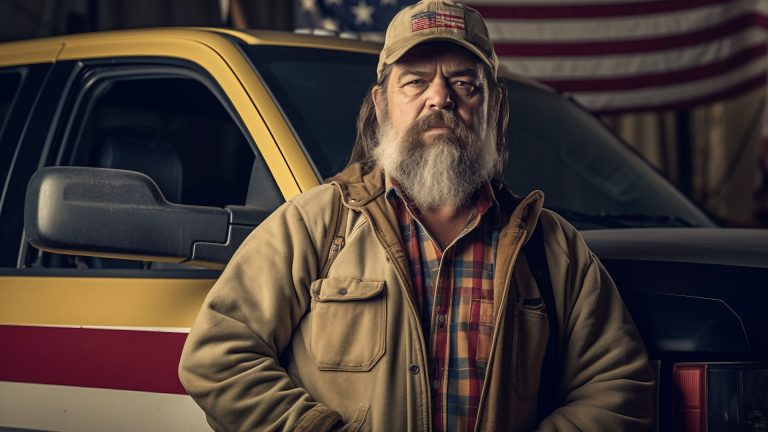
464,85
416,82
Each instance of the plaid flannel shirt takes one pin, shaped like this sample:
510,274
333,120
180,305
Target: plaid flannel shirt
454,292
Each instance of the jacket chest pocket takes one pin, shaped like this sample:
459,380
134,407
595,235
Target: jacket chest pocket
347,323
529,346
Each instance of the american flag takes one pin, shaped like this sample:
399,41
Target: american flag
368,18
431,19
613,55
617,56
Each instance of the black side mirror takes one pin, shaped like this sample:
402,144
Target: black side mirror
122,214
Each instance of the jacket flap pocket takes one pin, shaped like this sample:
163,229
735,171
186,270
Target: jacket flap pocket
345,289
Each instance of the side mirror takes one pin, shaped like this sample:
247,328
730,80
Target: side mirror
122,214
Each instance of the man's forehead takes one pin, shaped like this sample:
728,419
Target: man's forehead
427,54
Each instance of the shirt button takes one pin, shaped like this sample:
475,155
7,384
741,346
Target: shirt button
435,384
343,291
441,319
414,369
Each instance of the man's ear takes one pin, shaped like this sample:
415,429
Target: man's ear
497,96
377,95
494,101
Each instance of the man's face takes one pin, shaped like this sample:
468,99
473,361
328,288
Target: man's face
433,77
434,136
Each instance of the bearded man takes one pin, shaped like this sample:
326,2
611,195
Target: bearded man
400,296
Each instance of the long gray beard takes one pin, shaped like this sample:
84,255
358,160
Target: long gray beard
444,172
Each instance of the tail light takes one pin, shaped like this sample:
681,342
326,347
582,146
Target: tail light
712,397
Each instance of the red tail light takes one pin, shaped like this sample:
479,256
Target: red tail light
690,392
711,397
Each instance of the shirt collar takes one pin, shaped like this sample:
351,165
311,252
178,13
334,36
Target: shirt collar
483,199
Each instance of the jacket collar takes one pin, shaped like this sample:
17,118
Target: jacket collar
358,188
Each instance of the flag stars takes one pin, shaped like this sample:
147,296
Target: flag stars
308,5
363,13
330,24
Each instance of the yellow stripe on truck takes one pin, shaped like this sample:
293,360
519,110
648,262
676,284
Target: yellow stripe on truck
76,301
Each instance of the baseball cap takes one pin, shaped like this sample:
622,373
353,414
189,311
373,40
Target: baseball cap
433,21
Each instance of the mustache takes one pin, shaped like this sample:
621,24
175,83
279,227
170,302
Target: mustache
437,119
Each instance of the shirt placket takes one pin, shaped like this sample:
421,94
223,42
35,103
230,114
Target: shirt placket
442,319
440,334
437,300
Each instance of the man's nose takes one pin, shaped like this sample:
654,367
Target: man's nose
440,95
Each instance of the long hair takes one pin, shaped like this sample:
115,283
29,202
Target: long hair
368,125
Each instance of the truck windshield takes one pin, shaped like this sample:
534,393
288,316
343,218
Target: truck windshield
586,173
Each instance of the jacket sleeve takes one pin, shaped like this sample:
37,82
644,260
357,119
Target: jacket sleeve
229,364
607,382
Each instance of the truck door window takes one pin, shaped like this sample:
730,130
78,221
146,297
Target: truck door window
9,86
172,128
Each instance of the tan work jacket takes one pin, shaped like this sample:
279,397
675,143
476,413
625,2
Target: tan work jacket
276,347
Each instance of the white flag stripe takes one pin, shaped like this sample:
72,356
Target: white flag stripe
617,29
606,101
585,67
64,408
123,328
545,2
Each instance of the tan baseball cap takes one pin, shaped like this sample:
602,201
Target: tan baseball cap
437,20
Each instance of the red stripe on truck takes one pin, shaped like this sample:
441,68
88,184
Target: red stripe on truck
111,359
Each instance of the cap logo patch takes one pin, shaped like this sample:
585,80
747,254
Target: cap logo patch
433,19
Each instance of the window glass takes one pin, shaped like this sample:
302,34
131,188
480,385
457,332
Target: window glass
9,85
587,174
174,130
320,92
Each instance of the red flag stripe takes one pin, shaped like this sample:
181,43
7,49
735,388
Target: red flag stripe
111,359
569,11
433,25
661,79
439,20
550,49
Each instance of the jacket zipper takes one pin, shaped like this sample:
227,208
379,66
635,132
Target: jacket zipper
336,246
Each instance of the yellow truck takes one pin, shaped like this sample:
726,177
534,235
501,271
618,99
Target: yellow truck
134,162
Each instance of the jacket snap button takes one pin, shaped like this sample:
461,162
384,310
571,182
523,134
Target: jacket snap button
343,291
414,369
